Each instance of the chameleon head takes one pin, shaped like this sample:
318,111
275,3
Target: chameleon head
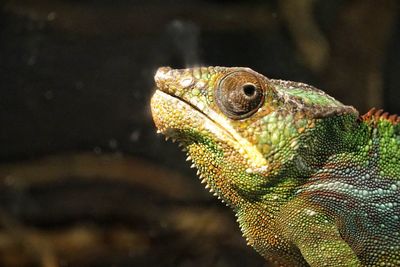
238,127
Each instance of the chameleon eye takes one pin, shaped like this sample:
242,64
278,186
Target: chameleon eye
239,94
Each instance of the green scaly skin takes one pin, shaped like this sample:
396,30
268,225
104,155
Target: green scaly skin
311,182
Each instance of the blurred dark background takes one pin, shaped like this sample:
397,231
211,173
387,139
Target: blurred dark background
84,179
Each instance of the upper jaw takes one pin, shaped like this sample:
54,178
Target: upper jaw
175,81
179,82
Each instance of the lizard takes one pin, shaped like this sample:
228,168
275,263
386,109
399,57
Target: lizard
311,182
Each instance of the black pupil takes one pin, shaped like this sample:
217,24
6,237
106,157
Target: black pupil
249,90
239,94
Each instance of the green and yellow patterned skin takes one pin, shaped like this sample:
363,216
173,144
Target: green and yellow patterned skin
311,182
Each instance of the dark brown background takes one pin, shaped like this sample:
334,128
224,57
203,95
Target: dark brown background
84,179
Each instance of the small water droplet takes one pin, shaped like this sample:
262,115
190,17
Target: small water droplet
49,95
97,150
113,143
51,16
135,135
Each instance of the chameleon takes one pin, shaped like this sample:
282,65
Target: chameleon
311,182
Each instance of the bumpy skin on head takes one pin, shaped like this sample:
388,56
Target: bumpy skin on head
310,181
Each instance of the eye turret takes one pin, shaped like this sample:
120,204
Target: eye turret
239,95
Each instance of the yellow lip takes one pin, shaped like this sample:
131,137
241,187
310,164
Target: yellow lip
170,112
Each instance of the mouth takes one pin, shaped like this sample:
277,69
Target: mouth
172,114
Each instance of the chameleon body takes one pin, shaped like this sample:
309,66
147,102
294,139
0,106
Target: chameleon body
311,182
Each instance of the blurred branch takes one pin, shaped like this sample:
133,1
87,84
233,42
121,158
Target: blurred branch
81,17
116,208
311,43
81,245
34,244
361,34
90,166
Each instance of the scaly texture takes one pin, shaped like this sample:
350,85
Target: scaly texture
311,182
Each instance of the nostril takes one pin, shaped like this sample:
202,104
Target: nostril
163,69
162,73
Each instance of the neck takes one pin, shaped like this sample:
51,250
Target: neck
332,137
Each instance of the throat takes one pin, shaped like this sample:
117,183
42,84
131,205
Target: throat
211,169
